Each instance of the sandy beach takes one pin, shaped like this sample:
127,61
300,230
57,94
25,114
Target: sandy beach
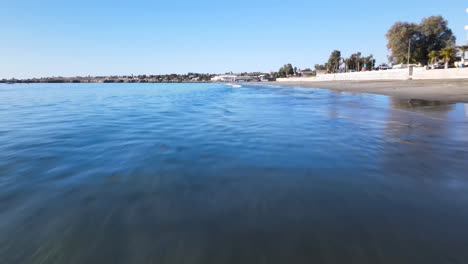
453,90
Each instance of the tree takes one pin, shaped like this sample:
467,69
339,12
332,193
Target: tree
399,36
435,35
431,34
286,70
334,61
347,63
320,67
289,69
433,57
447,54
356,61
281,73
353,61
369,62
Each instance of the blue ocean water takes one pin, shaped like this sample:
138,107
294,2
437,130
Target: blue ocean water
207,173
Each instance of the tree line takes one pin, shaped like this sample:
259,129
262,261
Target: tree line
424,43
418,43
336,63
355,62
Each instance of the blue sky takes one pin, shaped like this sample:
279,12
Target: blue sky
70,38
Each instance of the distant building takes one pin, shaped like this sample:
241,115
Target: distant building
320,72
233,78
266,78
307,73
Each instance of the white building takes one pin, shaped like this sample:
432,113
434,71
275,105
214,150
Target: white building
233,78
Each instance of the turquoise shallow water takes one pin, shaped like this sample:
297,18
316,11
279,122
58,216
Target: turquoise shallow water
204,173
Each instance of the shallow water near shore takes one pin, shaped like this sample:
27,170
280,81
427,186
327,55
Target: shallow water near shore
207,173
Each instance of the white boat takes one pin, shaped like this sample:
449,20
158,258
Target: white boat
236,86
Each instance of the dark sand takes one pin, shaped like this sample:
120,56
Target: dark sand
455,90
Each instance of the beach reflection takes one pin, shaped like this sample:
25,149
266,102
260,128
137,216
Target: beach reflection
423,105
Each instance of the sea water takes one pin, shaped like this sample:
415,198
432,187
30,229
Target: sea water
207,173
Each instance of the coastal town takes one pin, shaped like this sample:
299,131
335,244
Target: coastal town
168,78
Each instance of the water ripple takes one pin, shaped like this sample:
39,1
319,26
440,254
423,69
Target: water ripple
207,173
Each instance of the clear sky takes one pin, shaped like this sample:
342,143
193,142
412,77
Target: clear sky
70,37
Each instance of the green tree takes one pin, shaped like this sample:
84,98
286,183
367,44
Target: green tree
433,57
289,69
356,61
320,67
448,54
431,34
434,35
349,63
281,73
369,61
334,61
399,36
286,70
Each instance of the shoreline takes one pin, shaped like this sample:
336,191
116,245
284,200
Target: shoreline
444,90
452,90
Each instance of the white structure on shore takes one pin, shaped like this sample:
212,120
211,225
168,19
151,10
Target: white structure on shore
233,78
415,73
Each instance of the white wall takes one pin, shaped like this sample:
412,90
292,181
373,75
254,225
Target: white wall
397,74
457,73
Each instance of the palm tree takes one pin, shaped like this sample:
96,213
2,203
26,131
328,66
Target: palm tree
358,61
433,57
463,50
447,55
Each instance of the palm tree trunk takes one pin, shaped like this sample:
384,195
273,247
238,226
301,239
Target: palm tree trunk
446,64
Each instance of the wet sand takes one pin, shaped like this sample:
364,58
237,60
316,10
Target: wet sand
436,90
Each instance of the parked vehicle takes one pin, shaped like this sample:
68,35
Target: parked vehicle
383,67
439,65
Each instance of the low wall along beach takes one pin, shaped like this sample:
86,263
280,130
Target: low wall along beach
396,74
